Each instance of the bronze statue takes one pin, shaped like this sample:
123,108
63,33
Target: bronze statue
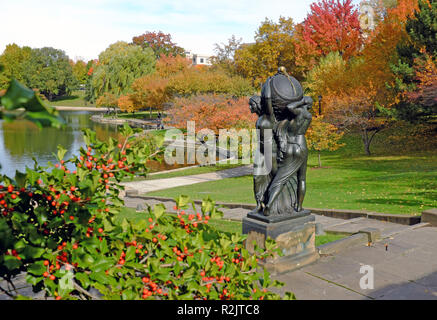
283,109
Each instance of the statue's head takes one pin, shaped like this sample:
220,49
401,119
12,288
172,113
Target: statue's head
255,104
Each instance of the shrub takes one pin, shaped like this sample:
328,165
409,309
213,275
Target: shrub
207,81
214,112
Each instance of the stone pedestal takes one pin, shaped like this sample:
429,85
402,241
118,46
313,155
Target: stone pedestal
295,237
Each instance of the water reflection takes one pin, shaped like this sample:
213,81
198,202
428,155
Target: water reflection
22,140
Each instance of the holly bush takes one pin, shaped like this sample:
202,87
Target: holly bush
59,226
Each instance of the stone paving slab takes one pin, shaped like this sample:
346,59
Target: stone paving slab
307,287
355,225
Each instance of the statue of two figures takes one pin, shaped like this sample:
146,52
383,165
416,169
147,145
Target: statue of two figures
280,161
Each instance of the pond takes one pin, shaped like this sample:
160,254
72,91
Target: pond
20,141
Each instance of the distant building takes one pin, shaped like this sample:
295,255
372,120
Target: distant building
366,17
199,59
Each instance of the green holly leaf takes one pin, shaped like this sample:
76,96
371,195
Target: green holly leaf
11,262
37,268
20,179
61,152
18,96
158,210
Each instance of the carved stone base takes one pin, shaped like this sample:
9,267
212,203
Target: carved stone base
295,237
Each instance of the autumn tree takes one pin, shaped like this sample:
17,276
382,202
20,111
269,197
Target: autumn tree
273,47
325,78
107,100
356,108
126,104
204,81
159,42
322,136
211,111
416,68
150,91
332,25
119,65
168,65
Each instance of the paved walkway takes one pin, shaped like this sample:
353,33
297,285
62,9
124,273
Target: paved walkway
159,184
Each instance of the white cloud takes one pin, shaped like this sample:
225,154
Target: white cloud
85,28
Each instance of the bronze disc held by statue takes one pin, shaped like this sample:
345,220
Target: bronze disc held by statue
284,89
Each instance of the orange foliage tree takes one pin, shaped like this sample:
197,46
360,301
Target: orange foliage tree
356,107
150,91
213,112
426,82
126,104
172,64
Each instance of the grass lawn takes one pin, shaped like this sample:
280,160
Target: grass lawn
327,238
76,99
138,115
397,178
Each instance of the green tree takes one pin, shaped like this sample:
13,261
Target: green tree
12,60
49,70
80,71
119,65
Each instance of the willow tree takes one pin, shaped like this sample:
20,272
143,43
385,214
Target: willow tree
118,66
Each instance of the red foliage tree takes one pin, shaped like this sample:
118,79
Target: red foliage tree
332,25
160,42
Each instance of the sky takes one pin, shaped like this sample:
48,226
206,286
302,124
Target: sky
84,28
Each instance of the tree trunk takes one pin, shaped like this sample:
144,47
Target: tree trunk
368,140
365,137
320,161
